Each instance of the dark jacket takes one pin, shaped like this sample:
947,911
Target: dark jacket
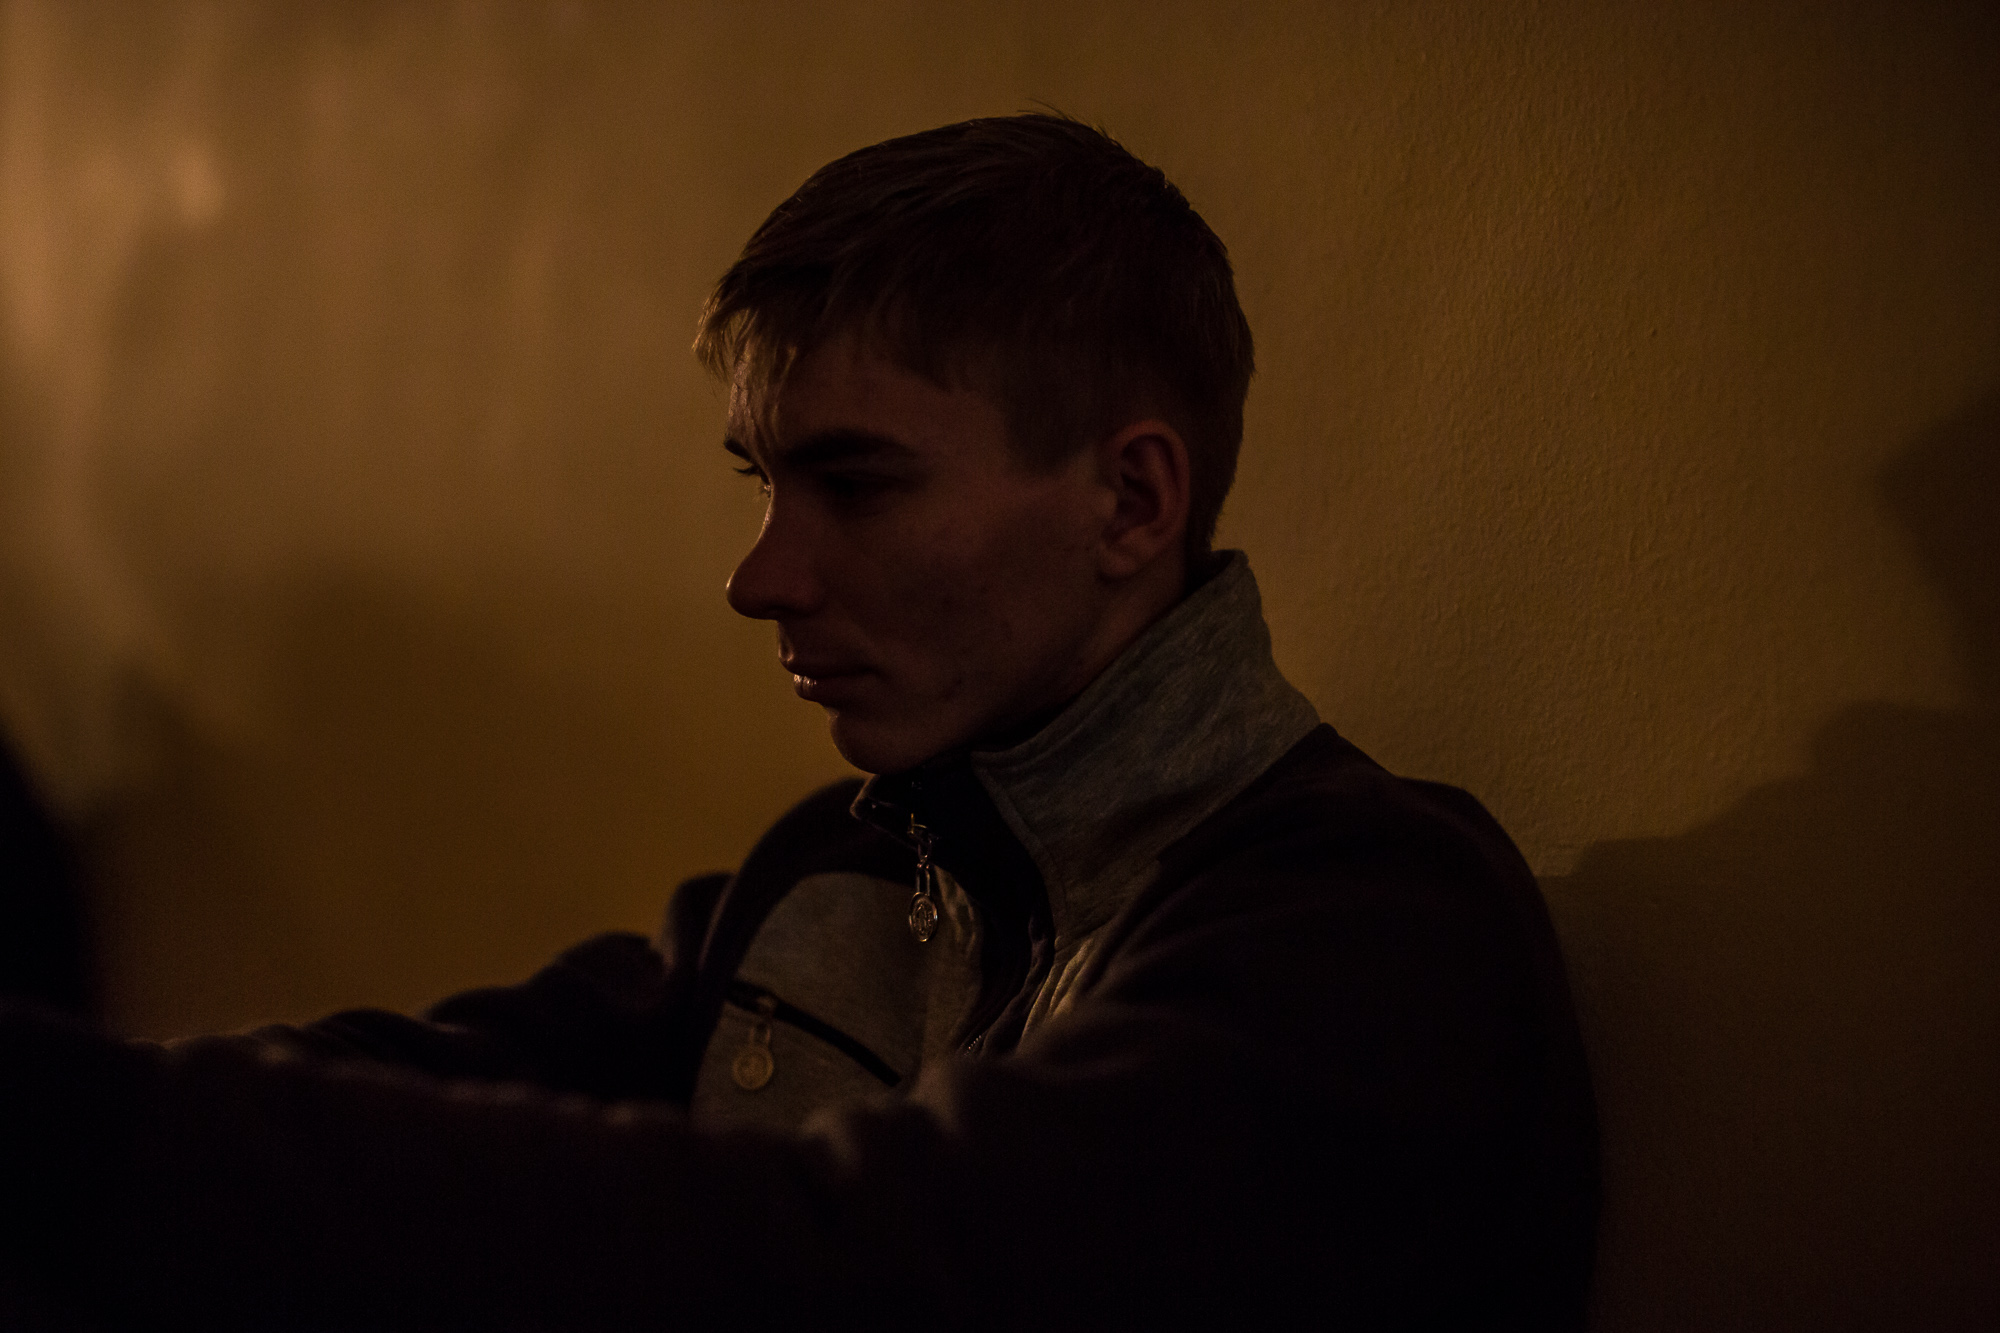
1309,1063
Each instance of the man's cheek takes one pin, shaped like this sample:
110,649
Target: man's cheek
933,609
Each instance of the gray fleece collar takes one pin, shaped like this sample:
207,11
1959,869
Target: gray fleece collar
1186,717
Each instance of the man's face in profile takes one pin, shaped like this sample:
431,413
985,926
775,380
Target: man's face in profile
930,589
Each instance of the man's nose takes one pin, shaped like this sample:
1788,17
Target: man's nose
776,580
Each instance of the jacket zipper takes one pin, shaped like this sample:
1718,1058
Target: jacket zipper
923,906
753,1071
923,902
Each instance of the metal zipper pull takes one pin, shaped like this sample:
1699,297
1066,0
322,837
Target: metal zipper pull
923,903
753,1066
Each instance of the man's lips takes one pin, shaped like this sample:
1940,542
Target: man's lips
822,682
819,668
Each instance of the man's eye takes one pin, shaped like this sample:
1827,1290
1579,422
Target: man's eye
854,485
752,470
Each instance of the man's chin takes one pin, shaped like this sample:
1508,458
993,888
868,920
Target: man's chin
875,748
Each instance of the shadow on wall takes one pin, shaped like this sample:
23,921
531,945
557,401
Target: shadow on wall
1794,1011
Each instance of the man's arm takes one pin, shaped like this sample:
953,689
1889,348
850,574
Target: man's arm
599,1020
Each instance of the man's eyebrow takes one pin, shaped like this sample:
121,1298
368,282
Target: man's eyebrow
841,444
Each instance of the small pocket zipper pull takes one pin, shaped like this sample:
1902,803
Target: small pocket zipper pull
752,1068
923,903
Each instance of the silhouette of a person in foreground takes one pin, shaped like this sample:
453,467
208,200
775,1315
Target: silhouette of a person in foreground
44,935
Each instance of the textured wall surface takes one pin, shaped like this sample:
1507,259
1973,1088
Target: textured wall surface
1625,448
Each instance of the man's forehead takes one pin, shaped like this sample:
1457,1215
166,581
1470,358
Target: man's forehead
849,388
758,426
748,422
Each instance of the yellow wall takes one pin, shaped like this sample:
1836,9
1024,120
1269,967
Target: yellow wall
1625,449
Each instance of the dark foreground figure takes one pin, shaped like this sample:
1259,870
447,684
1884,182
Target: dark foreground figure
1127,994
44,942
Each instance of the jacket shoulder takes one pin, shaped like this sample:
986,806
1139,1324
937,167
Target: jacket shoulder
1324,793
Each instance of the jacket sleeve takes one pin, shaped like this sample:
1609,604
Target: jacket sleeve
1288,1094
595,1021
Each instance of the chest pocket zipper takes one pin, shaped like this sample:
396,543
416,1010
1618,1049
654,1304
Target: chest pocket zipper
754,1066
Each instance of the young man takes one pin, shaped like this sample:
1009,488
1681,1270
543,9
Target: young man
1125,994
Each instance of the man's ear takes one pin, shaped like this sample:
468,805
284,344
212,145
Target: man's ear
1145,468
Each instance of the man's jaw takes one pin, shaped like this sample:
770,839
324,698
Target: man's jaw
880,723
873,729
